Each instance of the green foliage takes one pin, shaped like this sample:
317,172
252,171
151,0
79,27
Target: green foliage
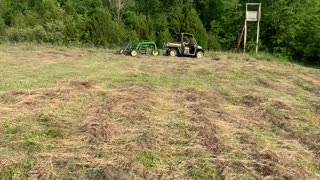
148,7
226,27
50,10
102,30
290,28
75,29
137,25
55,31
213,42
163,37
28,34
2,29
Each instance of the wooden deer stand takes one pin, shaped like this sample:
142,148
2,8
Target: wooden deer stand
254,16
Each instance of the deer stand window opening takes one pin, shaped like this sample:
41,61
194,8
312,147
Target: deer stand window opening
253,14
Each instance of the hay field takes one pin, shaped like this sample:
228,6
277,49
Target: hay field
68,113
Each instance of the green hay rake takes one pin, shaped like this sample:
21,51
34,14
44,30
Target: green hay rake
140,47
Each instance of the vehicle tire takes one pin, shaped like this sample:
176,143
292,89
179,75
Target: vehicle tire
173,52
121,51
134,53
199,54
155,52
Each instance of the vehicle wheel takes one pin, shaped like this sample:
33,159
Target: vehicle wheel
121,51
200,54
173,52
155,52
134,53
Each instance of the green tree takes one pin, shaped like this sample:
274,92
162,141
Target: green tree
103,31
148,7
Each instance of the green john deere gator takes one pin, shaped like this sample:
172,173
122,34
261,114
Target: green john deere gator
186,46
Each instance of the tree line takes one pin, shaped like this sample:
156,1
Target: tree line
289,28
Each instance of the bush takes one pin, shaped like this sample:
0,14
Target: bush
75,30
163,37
137,23
16,35
213,42
2,29
36,34
55,32
39,34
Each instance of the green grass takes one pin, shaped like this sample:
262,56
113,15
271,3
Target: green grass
203,170
17,171
148,159
271,58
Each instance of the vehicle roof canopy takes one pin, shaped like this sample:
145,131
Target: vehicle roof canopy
187,34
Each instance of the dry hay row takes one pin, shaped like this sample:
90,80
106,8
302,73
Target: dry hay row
124,115
63,91
27,105
112,117
213,125
311,141
196,105
290,146
280,119
119,111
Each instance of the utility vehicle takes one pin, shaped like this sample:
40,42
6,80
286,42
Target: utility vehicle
186,46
